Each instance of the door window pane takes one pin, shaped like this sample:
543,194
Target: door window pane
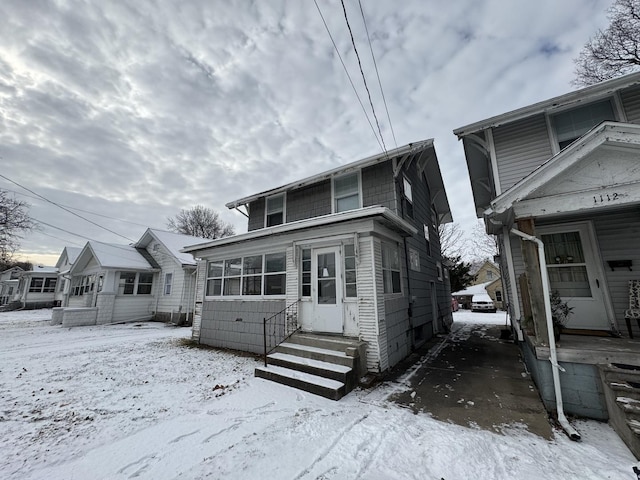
566,264
326,291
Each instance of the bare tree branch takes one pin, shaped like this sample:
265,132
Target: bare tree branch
483,245
15,222
614,51
200,221
452,240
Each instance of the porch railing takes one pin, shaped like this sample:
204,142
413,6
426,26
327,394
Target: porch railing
277,328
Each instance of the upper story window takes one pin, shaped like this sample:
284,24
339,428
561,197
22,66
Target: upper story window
407,199
346,192
274,211
572,124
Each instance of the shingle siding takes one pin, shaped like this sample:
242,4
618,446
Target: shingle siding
378,186
309,202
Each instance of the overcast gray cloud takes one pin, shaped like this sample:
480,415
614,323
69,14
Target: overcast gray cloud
135,110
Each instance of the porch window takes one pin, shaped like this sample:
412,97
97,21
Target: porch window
572,124
390,268
50,285
566,264
36,285
168,282
346,192
247,276
127,283
145,283
232,276
252,270
274,211
350,285
82,285
306,272
275,265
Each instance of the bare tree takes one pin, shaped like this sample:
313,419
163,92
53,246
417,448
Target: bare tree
200,221
15,222
452,240
483,245
614,51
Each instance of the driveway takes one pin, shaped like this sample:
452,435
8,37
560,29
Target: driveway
473,378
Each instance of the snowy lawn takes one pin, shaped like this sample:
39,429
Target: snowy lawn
133,401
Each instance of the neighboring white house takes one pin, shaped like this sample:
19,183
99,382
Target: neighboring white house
37,287
110,283
9,284
64,263
175,290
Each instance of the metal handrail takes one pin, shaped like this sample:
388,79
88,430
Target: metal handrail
279,327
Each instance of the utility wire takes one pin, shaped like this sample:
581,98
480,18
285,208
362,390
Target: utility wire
377,74
353,42
349,76
66,209
81,210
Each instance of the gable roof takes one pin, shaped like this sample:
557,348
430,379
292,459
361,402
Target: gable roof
125,257
621,140
584,95
70,253
423,151
473,289
173,242
39,269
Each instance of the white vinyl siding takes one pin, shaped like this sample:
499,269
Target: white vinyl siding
521,147
370,304
132,307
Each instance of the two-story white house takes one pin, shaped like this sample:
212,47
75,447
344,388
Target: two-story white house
559,183
348,258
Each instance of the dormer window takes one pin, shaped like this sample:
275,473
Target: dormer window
346,192
274,211
572,124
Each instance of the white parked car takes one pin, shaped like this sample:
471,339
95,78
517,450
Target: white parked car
481,302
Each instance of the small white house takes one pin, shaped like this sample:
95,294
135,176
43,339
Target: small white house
9,284
64,263
37,287
149,280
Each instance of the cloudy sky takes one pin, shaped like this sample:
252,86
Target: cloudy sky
125,112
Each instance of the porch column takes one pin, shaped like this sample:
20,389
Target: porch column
534,281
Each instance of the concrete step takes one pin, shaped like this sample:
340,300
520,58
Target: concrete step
630,406
634,425
332,371
307,382
626,389
326,341
316,353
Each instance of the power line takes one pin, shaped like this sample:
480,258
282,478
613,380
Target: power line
364,110
353,42
81,210
66,209
377,74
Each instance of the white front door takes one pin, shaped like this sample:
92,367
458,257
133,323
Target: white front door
573,265
326,290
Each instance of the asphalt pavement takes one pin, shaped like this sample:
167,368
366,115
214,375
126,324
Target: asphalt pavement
472,377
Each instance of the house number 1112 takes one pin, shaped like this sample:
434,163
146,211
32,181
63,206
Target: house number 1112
607,197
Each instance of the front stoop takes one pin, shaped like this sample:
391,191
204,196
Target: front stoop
323,365
622,393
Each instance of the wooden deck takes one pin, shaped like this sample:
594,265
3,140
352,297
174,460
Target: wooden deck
593,350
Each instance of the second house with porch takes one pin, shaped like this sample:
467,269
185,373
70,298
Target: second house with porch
352,253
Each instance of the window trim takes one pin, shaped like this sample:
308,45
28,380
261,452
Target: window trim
168,276
45,285
391,246
334,199
284,209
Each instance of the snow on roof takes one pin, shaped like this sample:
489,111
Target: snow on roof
174,242
118,256
40,269
474,289
72,253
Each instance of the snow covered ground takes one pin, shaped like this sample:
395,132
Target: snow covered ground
134,401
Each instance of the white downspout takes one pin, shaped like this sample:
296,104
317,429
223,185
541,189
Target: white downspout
553,358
